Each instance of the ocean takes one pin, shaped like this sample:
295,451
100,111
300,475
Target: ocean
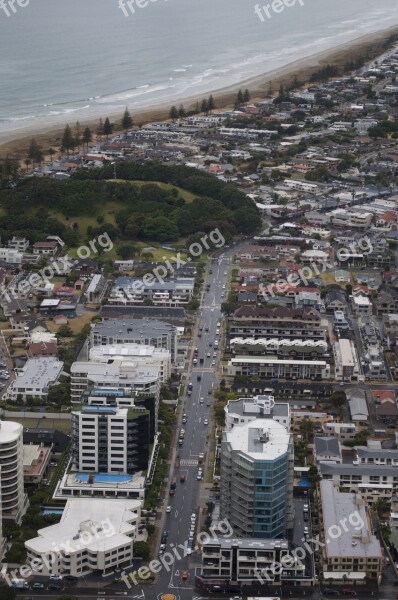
70,60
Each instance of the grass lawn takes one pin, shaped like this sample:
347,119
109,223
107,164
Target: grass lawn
75,324
43,422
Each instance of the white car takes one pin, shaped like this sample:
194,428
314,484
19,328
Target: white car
213,364
201,400
199,476
206,422
208,355
168,509
214,354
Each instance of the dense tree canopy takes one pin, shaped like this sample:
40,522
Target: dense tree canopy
147,212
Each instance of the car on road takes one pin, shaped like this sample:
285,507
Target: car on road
348,592
70,579
201,400
56,577
213,364
208,355
182,478
206,422
168,509
54,587
199,377
208,403
199,476
214,354
210,391
201,457
195,361
330,592
37,586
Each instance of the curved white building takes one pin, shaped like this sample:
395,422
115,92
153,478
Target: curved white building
12,497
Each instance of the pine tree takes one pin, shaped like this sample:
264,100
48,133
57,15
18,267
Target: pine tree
67,142
127,120
239,98
87,137
108,127
173,113
100,129
34,153
181,111
246,95
210,104
78,134
204,108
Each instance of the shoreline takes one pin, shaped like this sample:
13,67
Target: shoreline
369,46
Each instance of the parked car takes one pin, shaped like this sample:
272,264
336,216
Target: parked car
37,586
54,587
168,509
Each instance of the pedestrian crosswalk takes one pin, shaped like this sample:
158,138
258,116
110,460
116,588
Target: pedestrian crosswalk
188,462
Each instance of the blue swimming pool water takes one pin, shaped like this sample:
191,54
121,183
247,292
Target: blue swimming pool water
104,478
52,511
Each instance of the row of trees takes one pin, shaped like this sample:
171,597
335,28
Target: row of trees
206,106
72,139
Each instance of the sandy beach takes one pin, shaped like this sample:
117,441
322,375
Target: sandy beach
15,143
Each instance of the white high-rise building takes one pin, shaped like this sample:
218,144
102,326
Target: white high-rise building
12,496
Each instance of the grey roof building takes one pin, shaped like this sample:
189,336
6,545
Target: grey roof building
137,331
327,449
358,406
352,552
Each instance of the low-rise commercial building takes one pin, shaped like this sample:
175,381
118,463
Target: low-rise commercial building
351,553
270,367
136,331
247,561
98,534
139,353
346,360
35,378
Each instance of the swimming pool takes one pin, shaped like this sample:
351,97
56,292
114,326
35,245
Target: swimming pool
104,477
52,511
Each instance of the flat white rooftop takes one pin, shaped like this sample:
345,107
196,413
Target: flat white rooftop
109,521
260,439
